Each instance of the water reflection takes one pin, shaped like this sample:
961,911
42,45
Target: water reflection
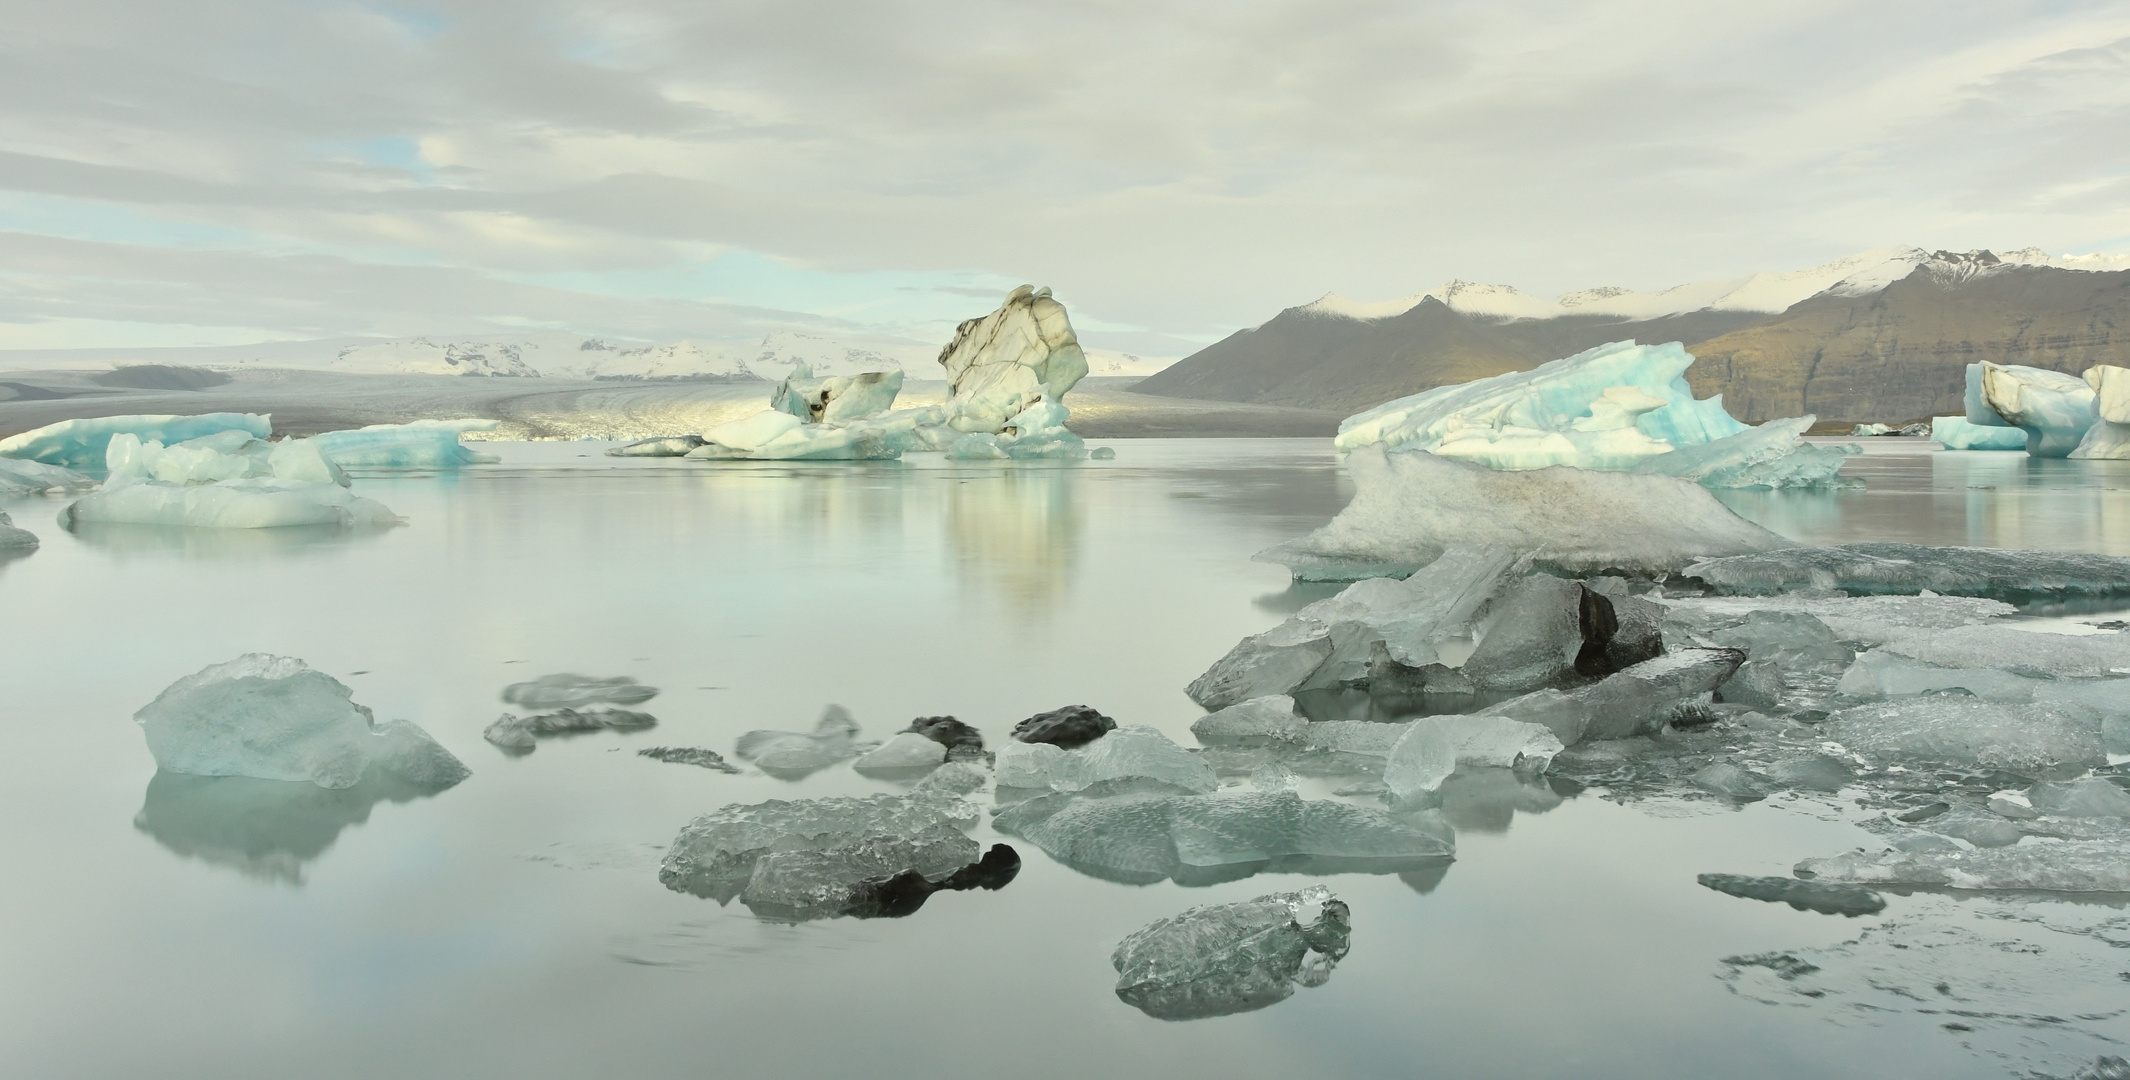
1016,532
208,544
266,829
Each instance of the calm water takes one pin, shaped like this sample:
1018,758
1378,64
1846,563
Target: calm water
514,926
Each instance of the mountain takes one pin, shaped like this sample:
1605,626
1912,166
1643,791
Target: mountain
1882,335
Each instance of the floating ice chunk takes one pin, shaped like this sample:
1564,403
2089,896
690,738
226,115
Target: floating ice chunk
2068,866
81,444
1756,682
716,854
2109,437
1000,365
1551,399
2078,656
518,734
1969,731
2089,797
689,755
1643,697
1129,752
1911,568
1789,640
1259,719
1073,725
1410,507
1231,958
1038,431
274,718
906,752
837,399
13,539
1435,746
1866,620
1825,897
566,689
1535,637
1772,455
852,876
2054,409
1730,781
1959,433
1813,772
263,503
751,434
953,778
1200,839
428,444
833,739
1102,453
664,446
1366,737
19,477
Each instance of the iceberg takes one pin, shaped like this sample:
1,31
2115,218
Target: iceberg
424,444
1130,752
880,437
748,435
20,477
2109,437
1016,358
262,503
225,455
1261,719
719,854
1960,433
1140,839
81,444
664,446
1772,455
1035,432
1230,958
274,718
2054,409
1909,569
837,399
1611,405
1437,746
518,734
1408,508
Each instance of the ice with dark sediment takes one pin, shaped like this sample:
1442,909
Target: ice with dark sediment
521,734
1142,838
825,843
1129,752
663,446
1068,727
1909,569
795,753
275,718
567,690
1229,958
1830,898
837,398
1409,507
960,740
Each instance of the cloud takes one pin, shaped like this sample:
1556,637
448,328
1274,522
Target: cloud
1173,169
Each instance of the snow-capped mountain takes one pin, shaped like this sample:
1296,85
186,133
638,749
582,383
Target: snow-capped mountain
573,356
1769,292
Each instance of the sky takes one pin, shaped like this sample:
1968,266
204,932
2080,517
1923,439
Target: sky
232,171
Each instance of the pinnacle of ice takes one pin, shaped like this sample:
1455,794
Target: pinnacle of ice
1229,958
274,718
1020,356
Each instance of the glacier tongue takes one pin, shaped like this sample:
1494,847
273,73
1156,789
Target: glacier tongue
274,718
1231,958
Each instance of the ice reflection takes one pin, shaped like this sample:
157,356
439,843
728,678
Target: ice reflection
266,829
1487,800
1016,532
234,544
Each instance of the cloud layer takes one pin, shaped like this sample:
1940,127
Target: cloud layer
658,169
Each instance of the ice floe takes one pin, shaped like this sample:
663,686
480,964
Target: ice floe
520,734
1910,569
1231,958
1825,897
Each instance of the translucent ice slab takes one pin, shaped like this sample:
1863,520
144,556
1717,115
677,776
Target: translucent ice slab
1910,569
1231,958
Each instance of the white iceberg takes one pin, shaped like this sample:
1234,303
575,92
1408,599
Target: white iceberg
2054,409
1960,433
838,398
1003,364
19,477
274,718
424,444
1408,508
2109,437
81,444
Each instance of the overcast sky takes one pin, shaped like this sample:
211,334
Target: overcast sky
226,171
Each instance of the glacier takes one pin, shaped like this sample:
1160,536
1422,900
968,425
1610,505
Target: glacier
275,718
81,444
1408,508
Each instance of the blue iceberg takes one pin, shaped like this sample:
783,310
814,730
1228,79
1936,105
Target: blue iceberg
2054,409
80,444
1960,433
424,444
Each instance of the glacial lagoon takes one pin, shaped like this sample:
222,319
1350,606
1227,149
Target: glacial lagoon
514,925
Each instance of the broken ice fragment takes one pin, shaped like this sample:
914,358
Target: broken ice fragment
1642,697
689,755
793,754
1073,725
1965,730
1231,958
906,752
81,444
1130,752
665,446
14,539
518,734
2089,797
567,690
2066,866
1435,746
1729,781
716,855
1271,718
1825,897
274,718
19,478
